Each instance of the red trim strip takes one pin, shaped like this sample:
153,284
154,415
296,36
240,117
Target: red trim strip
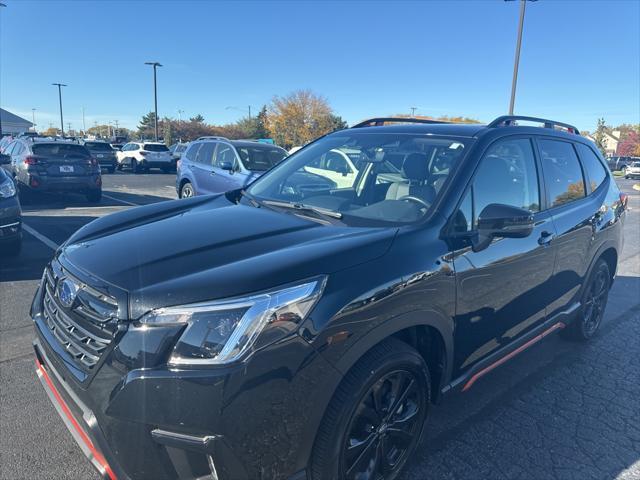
83,435
509,356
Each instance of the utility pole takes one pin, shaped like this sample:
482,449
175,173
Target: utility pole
68,127
1,5
60,85
33,118
516,62
249,112
116,132
84,126
180,112
155,65
413,111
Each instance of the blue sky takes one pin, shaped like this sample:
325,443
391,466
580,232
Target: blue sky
580,59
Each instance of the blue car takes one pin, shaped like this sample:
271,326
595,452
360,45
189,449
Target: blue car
217,165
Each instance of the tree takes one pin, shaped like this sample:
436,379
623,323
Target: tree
146,127
600,138
298,118
197,119
261,124
167,131
51,132
337,123
629,146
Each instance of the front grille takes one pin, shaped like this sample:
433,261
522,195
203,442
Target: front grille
86,327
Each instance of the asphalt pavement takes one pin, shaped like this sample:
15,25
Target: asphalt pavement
560,410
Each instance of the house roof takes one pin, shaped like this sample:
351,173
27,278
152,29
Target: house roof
12,118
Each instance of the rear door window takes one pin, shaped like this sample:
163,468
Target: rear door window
592,166
562,172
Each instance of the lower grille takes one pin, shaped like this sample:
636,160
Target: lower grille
81,329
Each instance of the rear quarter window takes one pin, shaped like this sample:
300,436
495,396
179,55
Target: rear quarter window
593,167
562,172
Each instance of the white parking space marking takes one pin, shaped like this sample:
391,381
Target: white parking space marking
48,242
121,201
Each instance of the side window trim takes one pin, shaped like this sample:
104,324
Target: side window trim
547,200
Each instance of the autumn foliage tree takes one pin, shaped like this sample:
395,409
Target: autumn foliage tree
298,118
629,146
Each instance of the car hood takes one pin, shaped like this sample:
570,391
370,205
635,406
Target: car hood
204,248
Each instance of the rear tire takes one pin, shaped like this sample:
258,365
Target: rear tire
376,417
187,190
94,196
594,302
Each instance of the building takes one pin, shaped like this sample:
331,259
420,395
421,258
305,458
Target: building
13,124
611,140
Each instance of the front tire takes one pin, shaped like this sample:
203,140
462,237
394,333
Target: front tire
187,191
376,417
594,302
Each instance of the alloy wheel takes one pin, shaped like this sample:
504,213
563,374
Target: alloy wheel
383,428
595,303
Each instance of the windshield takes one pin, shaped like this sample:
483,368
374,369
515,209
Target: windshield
260,158
636,164
367,178
99,146
60,150
154,147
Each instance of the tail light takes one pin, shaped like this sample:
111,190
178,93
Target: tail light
143,153
624,199
178,163
30,160
33,182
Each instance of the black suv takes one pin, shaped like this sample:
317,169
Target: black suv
302,327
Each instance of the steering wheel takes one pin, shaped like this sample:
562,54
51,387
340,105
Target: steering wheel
417,200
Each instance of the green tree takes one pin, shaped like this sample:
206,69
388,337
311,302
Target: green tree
167,131
337,123
146,127
600,138
197,119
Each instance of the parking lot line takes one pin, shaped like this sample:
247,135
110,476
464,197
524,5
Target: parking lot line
48,242
122,201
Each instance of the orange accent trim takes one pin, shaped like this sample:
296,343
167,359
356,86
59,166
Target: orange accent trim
509,356
83,435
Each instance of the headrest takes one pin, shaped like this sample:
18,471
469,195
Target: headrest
415,166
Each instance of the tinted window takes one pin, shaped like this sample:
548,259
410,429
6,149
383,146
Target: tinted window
99,146
260,158
225,153
154,147
562,172
507,175
192,153
463,218
205,154
592,166
66,150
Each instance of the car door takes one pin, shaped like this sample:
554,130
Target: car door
574,214
225,179
202,169
502,290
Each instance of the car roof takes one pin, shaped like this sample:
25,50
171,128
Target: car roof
453,129
249,143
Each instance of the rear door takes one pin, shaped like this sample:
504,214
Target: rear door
502,290
202,169
575,216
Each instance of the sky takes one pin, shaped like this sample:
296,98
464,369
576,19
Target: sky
580,59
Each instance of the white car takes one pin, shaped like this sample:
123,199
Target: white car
141,156
632,171
336,166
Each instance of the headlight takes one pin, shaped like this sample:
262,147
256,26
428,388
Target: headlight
7,188
220,332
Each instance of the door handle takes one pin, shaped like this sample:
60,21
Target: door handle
545,238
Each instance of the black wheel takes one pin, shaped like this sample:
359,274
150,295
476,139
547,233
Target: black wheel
119,167
94,196
594,301
135,167
186,190
376,417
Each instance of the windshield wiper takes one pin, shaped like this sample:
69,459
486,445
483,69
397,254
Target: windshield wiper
303,207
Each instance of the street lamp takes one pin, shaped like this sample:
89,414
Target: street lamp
241,109
60,85
33,118
1,5
155,65
516,63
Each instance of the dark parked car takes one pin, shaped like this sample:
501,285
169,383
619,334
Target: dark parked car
46,165
103,153
10,213
298,330
216,165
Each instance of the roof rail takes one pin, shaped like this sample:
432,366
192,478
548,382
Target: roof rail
380,121
212,137
508,120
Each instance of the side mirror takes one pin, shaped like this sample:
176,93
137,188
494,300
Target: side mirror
226,165
5,159
501,221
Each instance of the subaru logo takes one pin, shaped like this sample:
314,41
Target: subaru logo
67,291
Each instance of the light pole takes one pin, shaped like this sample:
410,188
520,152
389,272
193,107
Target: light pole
1,5
33,118
240,109
516,63
180,112
155,65
84,126
60,85
413,111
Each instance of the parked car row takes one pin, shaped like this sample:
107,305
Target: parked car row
621,163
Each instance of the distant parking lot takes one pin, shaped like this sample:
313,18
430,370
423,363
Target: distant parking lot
558,411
